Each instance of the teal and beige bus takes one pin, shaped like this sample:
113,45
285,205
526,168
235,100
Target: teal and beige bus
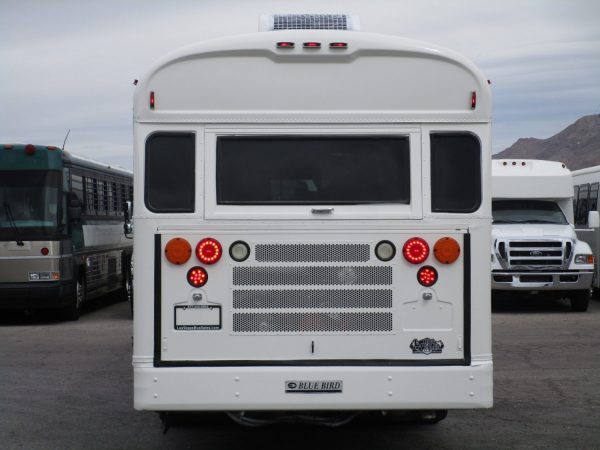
61,229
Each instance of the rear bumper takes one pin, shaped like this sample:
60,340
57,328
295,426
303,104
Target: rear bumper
40,295
542,281
263,388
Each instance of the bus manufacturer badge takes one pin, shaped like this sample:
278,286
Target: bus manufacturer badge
313,387
427,346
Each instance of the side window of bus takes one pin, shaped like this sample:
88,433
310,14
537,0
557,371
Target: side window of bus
582,205
455,172
593,203
169,184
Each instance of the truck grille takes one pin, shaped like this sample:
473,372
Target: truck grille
540,255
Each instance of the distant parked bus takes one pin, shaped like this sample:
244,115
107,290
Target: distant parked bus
312,225
61,229
586,183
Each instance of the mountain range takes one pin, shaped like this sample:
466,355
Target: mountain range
577,146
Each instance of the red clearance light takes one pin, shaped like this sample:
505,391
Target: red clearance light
197,276
285,45
44,251
29,149
338,45
473,100
312,45
209,251
415,250
427,276
51,147
152,103
8,146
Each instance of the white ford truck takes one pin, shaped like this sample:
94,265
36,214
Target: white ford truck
534,246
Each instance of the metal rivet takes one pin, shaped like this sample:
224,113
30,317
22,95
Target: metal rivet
390,394
155,395
389,378
471,394
237,394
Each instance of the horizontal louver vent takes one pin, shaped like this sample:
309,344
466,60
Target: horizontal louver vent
310,275
312,299
312,322
312,252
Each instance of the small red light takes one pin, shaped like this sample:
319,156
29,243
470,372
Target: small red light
338,45
415,250
44,251
51,147
473,100
152,100
197,276
209,251
312,45
8,146
427,276
29,149
285,45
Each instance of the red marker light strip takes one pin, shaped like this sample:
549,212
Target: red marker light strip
285,45
338,45
312,45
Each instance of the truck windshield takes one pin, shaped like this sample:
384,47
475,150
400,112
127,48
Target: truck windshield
527,211
28,204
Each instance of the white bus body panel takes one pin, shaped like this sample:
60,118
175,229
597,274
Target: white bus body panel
245,85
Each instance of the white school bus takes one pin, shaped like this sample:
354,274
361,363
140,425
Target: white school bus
312,225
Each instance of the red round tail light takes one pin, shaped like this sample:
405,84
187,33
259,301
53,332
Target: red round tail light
209,251
415,250
197,276
29,149
427,276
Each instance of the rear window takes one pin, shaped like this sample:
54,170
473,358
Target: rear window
455,173
170,173
296,170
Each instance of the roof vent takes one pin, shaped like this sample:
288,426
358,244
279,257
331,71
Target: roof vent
276,22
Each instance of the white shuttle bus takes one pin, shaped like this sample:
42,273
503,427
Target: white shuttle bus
312,225
586,183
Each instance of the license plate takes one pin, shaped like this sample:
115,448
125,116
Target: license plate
197,317
313,386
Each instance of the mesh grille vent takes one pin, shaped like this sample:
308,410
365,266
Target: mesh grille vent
298,276
310,22
311,322
312,252
306,298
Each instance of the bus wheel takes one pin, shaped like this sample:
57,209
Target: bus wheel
433,416
580,300
73,310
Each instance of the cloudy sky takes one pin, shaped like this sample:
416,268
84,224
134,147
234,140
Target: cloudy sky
71,64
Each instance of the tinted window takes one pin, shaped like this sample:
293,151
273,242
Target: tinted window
291,170
594,197
527,211
455,173
170,172
582,205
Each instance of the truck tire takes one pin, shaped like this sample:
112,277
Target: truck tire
73,310
580,300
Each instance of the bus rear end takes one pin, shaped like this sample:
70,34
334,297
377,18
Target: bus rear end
311,227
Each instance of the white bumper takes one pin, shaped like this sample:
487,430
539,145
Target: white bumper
263,388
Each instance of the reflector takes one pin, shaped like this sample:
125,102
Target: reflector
178,251
446,250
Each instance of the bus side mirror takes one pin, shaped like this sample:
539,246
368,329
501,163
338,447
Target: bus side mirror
128,214
594,219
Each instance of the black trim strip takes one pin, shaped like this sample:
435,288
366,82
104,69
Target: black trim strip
467,299
465,361
157,300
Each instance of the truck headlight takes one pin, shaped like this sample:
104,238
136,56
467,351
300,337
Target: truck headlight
584,259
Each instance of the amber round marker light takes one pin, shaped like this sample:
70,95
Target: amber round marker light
446,250
178,251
